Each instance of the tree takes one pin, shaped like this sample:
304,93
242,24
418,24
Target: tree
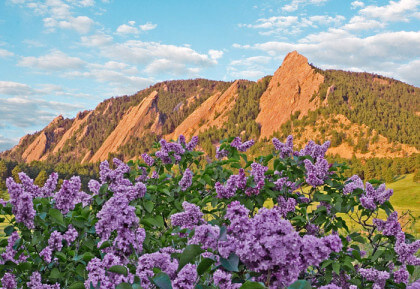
41,178
3,175
15,173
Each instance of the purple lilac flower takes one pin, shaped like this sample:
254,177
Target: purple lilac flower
401,275
390,227
46,254
353,183
316,173
94,186
406,252
186,180
284,206
268,244
9,281
242,147
29,186
330,286
192,144
191,217
312,229
206,235
55,242
148,159
118,215
186,278
317,152
373,197
35,282
181,140
9,253
70,235
155,175
22,205
414,285
147,262
233,183
223,280
326,205
98,273
258,171
285,183
286,149
50,185
378,277
3,202
220,154
66,198
167,149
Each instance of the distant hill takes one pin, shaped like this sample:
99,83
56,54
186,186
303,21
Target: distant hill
364,115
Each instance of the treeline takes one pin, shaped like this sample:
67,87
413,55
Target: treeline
241,119
384,104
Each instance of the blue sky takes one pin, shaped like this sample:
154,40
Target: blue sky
63,56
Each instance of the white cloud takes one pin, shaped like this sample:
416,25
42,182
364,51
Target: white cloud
144,53
281,25
395,11
295,4
7,143
215,54
362,23
253,60
15,88
127,29
5,53
148,26
54,61
26,112
409,72
99,39
357,4
380,53
82,24
245,74
327,20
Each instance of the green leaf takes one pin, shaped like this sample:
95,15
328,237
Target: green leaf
123,286
230,264
77,285
55,274
88,256
105,244
300,284
204,265
9,230
148,205
377,255
410,269
162,281
119,270
156,221
336,268
188,255
252,285
57,216
26,266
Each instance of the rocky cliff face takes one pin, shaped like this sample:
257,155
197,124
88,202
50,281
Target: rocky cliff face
290,90
191,107
213,112
132,124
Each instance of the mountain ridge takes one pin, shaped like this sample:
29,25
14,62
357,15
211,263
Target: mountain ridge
274,105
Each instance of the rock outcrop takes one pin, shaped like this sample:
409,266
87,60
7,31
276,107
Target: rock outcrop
290,90
132,124
213,112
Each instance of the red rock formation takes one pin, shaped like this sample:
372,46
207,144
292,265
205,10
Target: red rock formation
290,90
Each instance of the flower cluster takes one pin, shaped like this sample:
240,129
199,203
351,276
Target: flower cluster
234,183
186,180
191,217
316,173
69,195
36,283
373,197
377,277
240,146
161,260
286,149
98,273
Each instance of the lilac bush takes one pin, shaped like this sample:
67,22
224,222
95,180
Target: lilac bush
168,221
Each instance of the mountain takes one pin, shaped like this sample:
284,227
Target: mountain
363,114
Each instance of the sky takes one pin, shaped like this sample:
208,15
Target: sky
64,56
